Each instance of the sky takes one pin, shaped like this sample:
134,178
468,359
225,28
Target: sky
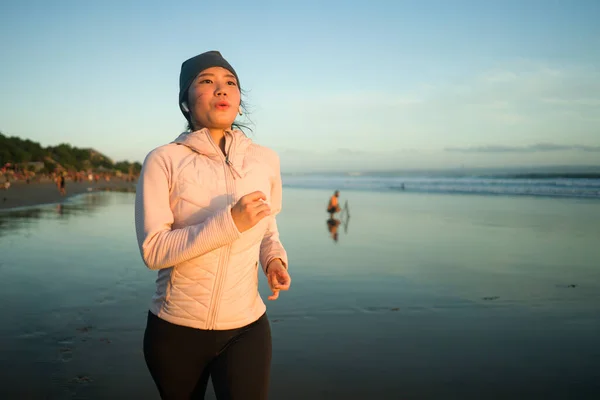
331,85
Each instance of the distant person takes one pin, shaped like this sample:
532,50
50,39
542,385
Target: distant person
61,185
333,206
205,216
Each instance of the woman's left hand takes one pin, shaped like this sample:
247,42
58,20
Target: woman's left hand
278,278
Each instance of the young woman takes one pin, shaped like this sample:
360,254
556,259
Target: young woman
205,216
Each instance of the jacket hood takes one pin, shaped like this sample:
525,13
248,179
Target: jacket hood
236,143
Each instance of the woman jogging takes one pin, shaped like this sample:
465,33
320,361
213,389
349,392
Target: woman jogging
205,217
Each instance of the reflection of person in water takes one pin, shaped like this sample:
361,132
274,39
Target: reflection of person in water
332,226
334,205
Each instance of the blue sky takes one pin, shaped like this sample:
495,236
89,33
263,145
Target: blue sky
331,84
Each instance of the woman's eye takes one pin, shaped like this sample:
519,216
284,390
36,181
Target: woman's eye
232,83
205,81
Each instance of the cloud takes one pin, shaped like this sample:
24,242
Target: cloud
499,76
518,113
351,152
535,148
294,152
590,102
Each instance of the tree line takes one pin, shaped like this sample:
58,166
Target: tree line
22,152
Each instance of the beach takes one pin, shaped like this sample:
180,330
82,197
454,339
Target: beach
22,194
422,296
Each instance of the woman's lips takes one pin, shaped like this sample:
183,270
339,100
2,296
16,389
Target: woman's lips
222,105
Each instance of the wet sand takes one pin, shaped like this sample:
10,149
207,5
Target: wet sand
422,297
22,194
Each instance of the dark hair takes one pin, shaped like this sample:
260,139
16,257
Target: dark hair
235,125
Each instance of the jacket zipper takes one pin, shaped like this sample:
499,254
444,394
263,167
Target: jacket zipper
232,168
224,259
228,161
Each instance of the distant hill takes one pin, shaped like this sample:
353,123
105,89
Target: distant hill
15,150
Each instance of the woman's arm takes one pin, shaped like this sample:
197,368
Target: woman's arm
271,247
160,245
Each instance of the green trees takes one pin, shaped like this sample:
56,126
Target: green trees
15,150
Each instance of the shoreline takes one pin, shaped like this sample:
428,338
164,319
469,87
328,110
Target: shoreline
22,194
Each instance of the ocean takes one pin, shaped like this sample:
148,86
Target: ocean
575,185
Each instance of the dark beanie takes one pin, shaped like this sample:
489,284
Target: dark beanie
192,67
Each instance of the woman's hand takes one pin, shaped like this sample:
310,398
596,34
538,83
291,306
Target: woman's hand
278,278
249,210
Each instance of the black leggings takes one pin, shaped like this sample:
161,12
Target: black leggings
181,359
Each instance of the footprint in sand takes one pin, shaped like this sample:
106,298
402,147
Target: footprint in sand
85,329
81,379
107,300
376,309
490,298
66,354
31,335
66,341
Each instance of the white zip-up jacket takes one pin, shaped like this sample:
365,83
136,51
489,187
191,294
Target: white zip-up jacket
207,269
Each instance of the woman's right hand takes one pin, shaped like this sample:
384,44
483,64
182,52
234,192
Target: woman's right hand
249,210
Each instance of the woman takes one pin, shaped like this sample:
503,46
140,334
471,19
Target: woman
205,216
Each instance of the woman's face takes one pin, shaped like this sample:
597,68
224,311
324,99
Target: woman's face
214,99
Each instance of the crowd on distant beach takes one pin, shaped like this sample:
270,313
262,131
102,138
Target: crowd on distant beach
23,188
9,175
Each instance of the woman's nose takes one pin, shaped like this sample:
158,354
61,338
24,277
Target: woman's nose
220,90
